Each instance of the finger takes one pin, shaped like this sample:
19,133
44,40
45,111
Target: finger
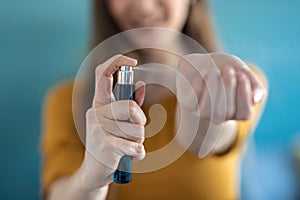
190,81
126,147
140,91
184,76
195,66
133,132
224,59
104,78
185,93
122,110
243,98
186,68
199,62
257,89
198,85
111,65
219,102
230,82
209,97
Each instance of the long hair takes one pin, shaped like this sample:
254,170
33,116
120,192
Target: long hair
198,25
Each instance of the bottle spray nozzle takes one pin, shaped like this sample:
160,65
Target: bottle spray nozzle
125,75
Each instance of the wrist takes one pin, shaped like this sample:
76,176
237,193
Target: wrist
226,139
85,188
79,183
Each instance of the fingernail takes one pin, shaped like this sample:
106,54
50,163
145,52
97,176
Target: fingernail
258,96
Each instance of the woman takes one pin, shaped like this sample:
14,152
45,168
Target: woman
70,170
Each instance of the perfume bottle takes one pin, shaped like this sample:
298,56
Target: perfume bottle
124,90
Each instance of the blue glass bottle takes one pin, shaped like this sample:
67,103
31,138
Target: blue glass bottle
124,90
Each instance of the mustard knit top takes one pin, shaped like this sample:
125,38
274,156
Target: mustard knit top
212,178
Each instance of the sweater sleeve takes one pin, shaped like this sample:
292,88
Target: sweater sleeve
61,148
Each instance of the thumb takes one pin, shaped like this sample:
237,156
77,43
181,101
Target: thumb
140,91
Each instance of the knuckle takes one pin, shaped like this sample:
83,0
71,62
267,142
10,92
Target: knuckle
229,80
226,68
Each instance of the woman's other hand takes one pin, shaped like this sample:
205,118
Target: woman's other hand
225,87
219,88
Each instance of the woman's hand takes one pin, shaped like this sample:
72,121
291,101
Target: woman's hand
218,88
108,136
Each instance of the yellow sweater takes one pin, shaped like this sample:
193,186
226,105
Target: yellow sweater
213,178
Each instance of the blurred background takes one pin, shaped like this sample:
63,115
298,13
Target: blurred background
44,42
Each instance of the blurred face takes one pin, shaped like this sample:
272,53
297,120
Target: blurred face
130,14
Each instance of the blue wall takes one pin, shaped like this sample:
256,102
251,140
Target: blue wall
42,42
267,34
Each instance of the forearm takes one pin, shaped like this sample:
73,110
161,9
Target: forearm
226,135
73,188
210,138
